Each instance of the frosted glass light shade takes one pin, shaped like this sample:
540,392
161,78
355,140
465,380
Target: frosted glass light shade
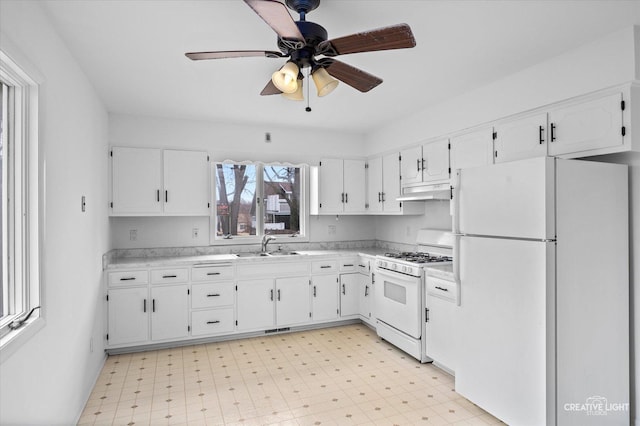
297,95
324,82
286,78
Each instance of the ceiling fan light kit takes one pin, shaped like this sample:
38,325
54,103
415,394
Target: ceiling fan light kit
307,45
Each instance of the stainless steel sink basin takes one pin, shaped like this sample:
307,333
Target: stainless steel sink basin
283,253
252,254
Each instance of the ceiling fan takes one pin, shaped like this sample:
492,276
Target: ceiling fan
306,44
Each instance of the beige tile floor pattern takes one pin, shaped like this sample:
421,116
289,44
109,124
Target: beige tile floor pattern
334,376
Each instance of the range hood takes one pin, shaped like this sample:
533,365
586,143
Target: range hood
425,192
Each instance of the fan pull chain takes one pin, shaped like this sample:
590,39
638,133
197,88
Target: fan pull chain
308,108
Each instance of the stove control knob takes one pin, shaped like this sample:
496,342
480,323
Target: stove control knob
394,266
407,269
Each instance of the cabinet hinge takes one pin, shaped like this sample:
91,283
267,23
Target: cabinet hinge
188,291
107,297
207,158
236,323
449,146
188,328
338,311
366,165
426,314
111,152
400,203
111,204
236,288
622,105
449,170
320,205
107,336
208,205
309,314
399,157
320,164
366,206
496,153
624,130
495,135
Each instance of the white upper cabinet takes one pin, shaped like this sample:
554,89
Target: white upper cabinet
587,125
152,182
383,184
137,181
524,137
472,149
427,163
341,186
186,183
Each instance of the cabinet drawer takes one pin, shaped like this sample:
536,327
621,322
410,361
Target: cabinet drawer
212,273
364,265
212,295
349,265
324,266
441,288
212,321
128,278
161,276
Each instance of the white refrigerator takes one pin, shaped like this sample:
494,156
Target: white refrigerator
542,261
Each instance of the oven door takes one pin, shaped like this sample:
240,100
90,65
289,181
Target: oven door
398,301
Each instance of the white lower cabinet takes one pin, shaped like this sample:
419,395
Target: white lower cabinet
349,294
324,297
365,290
169,312
254,304
128,315
292,301
212,308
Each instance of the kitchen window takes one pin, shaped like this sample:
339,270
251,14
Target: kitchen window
19,198
254,199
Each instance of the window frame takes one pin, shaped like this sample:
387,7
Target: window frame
301,236
25,190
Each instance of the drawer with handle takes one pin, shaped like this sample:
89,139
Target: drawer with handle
162,276
128,278
212,272
324,266
212,295
212,321
349,265
442,288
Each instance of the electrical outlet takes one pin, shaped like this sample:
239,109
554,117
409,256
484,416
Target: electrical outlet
195,232
133,234
332,230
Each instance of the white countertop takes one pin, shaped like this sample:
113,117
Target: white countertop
148,262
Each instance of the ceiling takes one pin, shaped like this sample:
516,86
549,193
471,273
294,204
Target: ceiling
133,52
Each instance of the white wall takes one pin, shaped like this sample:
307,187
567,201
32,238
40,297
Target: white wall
47,380
236,142
603,63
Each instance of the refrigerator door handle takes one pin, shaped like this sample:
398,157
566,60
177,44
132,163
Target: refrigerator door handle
456,265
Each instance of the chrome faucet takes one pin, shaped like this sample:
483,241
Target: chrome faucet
266,238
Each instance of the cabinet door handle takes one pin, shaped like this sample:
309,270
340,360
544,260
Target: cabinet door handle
144,305
442,288
325,266
553,132
213,295
423,165
278,295
383,200
366,290
128,279
348,265
153,305
272,295
213,322
169,276
342,200
379,197
346,197
344,289
166,196
213,273
158,195
541,133
314,291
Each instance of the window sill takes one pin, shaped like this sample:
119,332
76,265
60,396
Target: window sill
13,340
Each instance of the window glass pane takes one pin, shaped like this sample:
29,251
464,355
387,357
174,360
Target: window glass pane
236,199
282,199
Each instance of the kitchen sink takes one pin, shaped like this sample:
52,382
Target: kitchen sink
252,254
283,253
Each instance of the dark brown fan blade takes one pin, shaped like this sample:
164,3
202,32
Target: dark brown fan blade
270,89
276,15
197,56
354,77
394,37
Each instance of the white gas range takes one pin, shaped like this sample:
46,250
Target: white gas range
399,291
